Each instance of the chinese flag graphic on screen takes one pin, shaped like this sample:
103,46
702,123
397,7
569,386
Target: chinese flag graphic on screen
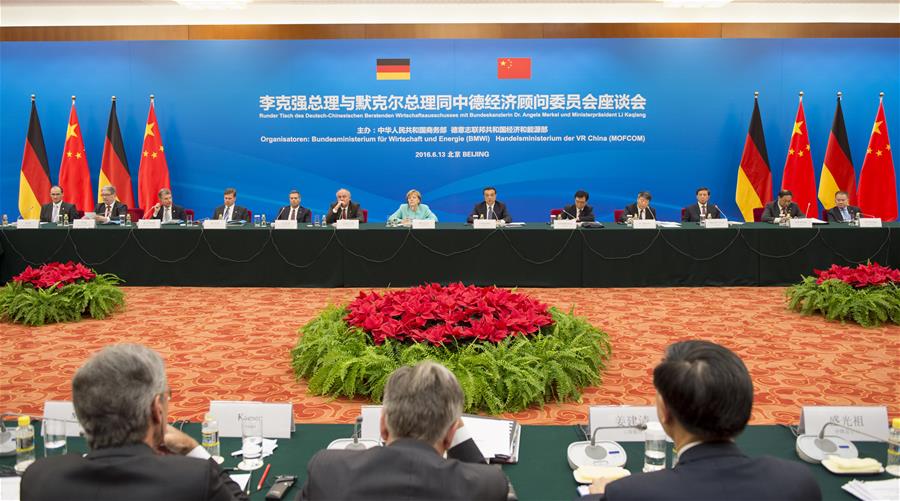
514,67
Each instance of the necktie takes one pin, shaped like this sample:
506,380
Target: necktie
845,214
293,216
167,214
55,217
344,213
227,215
577,214
108,210
703,211
642,213
490,213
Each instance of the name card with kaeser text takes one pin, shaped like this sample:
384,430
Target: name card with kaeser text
65,411
868,419
277,418
621,415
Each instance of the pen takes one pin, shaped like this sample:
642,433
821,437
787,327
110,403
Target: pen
249,480
263,477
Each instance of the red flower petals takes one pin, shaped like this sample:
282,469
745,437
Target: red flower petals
54,275
861,276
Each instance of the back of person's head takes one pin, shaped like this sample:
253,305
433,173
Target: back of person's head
113,393
706,388
422,402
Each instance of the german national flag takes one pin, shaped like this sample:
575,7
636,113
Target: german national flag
114,165
392,69
837,171
754,182
34,181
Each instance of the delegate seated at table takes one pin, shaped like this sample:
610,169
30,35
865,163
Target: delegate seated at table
343,208
228,210
777,210
165,210
702,209
640,209
842,212
110,208
580,210
412,209
53,211
491,208
294,211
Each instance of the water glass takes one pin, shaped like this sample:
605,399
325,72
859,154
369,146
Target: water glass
256,220
654,447
251,442
54,433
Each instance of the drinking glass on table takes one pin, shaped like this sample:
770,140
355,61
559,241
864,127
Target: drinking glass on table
251,442
54,433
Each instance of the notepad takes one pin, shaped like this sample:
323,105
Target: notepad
497,439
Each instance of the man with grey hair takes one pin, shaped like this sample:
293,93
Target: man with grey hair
110,208
165,210
343,208
121,398
420,421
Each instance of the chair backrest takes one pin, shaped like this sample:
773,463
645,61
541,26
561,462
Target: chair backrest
683,213
757,214
136,213
250,215
824,216
189,213
365,216
617,214
555,212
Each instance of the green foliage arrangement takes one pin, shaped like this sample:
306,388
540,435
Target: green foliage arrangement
554,363
837,300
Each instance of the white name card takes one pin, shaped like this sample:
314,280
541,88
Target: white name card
800,222
423,224
565,224
870,222
484,224
277,418
622,415
28,224
370,428
644,224
215,224
347,224
64,410
869,419
715,223
84,224
284,224
149,224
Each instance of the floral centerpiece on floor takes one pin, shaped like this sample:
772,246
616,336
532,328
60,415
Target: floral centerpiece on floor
868,294
59,292
508,350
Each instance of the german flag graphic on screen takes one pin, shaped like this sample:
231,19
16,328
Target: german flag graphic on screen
392,69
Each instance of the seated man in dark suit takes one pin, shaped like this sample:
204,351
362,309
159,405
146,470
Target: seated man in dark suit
343,208
842,212
640,209
420,419
777,210
109,209
294,211
229,211
704,396
491,208
701,210
165,210
56,209
121,398
580,210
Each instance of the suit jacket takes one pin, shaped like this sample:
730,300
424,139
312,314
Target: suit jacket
177,213
834,214
692,212
500,212
773,211
718,471
587,214
118,209
649,212
133,472
352,212
237,213
64,208
304,215
406,469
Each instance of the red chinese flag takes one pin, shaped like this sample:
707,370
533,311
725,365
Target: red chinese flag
114,165
798,168
74,174
153,173
877,192
514,67
34,179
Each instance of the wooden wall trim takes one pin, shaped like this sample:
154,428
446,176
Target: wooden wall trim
470,31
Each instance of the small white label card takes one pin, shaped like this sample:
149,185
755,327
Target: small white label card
28,224
84,224
277,418
347,224
370,428
215,224
484,224
65,411
423,224
149,224
869,419
644,224
621,415
870,222
715,223
565,224
284,224
800,222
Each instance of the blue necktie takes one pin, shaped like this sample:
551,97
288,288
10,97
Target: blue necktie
845,214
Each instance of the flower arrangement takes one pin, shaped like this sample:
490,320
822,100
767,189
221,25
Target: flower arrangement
59,292
868,294
508,350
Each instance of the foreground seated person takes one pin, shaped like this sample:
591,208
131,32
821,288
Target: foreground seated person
704,396
419,422
121,398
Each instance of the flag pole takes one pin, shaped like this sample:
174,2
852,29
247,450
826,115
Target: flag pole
839,94
152,97
756,95
32,98
801,96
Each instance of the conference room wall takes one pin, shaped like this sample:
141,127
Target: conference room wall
699,98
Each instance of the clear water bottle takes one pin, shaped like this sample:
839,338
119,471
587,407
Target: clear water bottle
256,220
893,452
262,220
210,435
128,220
24,444
5,220
629,221
65,220
314,218
654,447
324,220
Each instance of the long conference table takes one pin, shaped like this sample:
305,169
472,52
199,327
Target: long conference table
542,472
533,255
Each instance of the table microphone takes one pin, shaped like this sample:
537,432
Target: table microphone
815,448
7,437
721,211
806,212
356,446
279,213
603,453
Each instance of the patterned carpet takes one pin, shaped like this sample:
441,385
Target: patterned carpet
226,343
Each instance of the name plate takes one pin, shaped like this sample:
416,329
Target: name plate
715,223
277,418
347,224
28,224
565,224
622,415
65,411
484,224
870,222
284,224
869,419
423,224
799,222
149,224
644,224
84,224
215,224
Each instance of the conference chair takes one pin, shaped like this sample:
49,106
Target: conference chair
555,212
189,213
617,214
364,216
824,215
683,213
136,213
757,214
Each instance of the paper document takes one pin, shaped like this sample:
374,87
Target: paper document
9,488
880,490
241,479
494,437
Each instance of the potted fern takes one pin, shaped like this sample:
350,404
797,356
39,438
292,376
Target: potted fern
868,294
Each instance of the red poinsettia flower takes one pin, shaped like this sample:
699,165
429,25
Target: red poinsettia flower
862,276
56,275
